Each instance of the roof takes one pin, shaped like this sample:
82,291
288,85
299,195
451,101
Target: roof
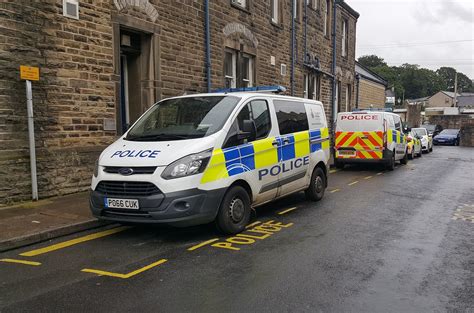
464,101
389,93
449,93
348,8
364,72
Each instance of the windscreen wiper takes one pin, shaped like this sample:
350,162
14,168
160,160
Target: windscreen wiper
156,137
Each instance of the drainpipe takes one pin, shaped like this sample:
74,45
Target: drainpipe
357,91
293,47
208,45
334,24
305,31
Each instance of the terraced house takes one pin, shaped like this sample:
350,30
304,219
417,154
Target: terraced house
104,62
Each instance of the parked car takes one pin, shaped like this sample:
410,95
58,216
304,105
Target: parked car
432,129
413,145
426,139
448,136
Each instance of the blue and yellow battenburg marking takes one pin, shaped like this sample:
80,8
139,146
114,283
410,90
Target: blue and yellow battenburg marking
262,153
396,136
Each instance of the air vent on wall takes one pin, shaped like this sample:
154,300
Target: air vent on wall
283,70
71,8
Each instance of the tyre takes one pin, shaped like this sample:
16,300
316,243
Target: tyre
234,212
391,163
431,149
420,154
315,191
457,142
405,158
339,164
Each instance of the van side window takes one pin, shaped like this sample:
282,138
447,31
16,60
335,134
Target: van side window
256,110
391,124
291,116
398,123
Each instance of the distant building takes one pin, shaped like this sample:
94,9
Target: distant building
370,88
466,103
441,99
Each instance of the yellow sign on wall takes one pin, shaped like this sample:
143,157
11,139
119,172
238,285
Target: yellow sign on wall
29,72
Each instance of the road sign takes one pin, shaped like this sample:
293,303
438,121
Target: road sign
29,72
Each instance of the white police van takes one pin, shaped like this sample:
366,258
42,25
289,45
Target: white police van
212,157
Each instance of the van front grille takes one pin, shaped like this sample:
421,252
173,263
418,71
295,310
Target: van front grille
129,188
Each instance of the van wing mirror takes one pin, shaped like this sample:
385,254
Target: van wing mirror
249,130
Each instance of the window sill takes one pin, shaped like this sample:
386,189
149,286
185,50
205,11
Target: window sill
275,24
239,7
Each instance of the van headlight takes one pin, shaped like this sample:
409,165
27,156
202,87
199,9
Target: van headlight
96,168
189,165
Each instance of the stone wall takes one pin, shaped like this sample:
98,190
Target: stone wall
463,122
79,86
371,94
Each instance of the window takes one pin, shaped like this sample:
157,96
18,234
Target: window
239,69
312,3
398,123
326,18
348,97
291,116
344,38
275,10
71,8
230,64
256,110
312,85
240,3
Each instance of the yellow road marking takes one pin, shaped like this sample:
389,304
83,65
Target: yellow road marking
202,244
21,262
333,171
253,224
368,177
76,241
379,173
124,276
353,183
286,211
335,190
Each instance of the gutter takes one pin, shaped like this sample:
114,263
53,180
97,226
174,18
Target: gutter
334,24
293,47
208,45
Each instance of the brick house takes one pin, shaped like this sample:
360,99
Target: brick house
370,88
103,62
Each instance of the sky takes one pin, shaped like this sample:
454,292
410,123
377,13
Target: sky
430,33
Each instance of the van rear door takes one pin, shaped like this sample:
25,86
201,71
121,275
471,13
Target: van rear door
359,135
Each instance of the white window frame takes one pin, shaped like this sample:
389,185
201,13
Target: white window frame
75,2
249,81
241,3
307,78
295,9
344,38
233,78
275,13
347,98
325,18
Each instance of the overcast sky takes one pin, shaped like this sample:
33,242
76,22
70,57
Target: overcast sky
430,33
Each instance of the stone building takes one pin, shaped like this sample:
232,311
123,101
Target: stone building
370,88
103,62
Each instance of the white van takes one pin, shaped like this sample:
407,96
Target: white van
212,157
369,136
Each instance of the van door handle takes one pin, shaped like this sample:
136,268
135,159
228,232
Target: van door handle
286,140
275,143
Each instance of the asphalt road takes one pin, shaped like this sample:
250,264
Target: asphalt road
400,241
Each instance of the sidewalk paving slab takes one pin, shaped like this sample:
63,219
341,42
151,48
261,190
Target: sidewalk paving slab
33,222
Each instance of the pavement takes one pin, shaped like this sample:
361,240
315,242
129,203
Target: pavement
379,241
32,222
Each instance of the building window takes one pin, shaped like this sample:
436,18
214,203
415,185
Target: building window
71,8
275,10
313,4
240,3
312,86
344,38
230,69
348,97
326,18
239,69
295,9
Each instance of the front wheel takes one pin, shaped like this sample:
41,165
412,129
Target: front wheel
431,149
405,158
234,212
391,163
315,191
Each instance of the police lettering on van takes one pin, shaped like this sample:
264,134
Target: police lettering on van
212,157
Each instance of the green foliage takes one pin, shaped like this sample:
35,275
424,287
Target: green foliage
412,82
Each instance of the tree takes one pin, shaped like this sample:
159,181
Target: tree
447,74
371,61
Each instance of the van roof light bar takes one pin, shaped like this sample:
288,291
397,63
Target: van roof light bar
373,110
274,89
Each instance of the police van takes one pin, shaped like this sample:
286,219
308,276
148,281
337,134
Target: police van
212,157
369,136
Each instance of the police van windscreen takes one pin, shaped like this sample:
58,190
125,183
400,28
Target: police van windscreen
183,118
360,122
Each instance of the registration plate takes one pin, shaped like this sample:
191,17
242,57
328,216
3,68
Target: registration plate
346,152
129,204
